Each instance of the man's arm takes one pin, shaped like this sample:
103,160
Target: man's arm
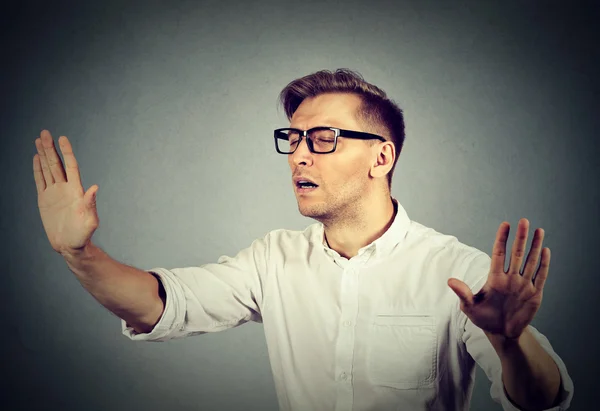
530,376
531,355
134,295
70,218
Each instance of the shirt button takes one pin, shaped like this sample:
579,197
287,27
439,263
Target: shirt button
343,376
347,323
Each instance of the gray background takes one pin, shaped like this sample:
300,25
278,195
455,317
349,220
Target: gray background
170,110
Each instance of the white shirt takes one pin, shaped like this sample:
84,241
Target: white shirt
379,331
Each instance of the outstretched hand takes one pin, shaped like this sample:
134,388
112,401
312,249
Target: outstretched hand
68,212
508,301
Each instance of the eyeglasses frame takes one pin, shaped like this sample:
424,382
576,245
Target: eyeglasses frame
339,132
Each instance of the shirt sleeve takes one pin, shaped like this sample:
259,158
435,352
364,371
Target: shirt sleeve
211,297
481,350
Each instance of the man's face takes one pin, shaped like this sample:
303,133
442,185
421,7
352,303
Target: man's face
342,176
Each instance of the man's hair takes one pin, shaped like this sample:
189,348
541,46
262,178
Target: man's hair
379,114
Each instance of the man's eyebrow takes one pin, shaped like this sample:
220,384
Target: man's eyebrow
317,126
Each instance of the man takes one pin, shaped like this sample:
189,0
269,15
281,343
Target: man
363,310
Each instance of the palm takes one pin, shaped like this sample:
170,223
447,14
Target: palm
64,214
508,301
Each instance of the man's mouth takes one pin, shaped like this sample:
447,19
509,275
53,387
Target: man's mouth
305,186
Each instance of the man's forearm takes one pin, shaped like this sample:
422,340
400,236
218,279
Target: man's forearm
529,374
130,293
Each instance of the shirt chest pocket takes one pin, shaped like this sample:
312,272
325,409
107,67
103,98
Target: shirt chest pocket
402,351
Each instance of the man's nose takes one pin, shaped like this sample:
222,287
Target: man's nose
302,151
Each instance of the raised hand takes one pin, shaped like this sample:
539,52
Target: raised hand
68,214
508,301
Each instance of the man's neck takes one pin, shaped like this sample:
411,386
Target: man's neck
349,236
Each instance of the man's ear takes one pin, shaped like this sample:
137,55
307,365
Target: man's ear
384,159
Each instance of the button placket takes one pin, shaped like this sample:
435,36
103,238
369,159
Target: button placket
345,341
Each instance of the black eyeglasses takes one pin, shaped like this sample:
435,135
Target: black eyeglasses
320,140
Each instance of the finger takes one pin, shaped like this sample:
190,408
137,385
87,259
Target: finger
44,163
462,290
71,166
542,274
40,184
534,254
519,247
499,249
54,161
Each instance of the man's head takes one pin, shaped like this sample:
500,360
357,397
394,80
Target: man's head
358,169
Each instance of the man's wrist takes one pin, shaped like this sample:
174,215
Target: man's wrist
503,344
77,258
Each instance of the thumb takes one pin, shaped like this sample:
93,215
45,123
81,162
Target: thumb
462,290
90,196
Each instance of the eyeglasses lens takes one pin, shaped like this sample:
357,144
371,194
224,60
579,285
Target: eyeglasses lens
322,140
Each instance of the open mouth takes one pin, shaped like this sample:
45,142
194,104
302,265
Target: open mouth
306,187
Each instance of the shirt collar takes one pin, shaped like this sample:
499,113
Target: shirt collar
393,236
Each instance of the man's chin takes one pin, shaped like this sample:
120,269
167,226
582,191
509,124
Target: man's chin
310,212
